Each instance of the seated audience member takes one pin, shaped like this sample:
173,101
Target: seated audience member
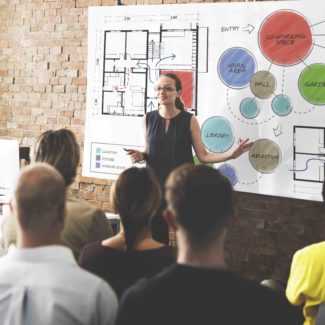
84,222
199,289
306,284
133,253
40,282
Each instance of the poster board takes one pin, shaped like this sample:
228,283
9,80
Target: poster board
251,70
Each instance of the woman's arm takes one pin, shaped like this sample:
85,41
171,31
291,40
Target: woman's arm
211,157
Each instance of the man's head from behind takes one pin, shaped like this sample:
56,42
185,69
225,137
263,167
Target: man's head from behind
59,148
201,201
39,201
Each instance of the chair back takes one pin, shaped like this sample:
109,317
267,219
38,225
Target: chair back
320,317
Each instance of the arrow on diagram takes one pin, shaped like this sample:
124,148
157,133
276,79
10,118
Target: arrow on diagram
152,48
249,28
167,57
278,130
151,105
141,65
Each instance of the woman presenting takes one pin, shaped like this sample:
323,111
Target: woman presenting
170,134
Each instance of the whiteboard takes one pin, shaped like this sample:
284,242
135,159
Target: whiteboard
9,167
251,70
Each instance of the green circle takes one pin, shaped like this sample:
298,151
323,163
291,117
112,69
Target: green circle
312,84
198,162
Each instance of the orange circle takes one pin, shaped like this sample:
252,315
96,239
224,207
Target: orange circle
285,37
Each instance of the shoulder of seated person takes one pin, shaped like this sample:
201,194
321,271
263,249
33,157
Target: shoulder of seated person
317,250
8,222
74,203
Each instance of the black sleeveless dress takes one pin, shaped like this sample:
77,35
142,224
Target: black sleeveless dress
166,151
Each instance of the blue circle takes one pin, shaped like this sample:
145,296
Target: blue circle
249,108
281,105
217,134
236,67
229,172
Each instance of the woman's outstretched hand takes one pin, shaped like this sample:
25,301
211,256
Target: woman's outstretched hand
243,146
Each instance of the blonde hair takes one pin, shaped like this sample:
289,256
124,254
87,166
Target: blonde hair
59,148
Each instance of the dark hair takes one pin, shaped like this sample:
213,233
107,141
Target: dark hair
135,197
201,199
60,149
178,83
323,192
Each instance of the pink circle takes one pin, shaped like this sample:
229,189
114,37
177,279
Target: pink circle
285,37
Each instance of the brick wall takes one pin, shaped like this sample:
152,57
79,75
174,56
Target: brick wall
43,60
267,230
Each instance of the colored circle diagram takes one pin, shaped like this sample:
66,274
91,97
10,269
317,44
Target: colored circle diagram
265,155
217,134
249,108
285,37
312,83
263,84
230,172
236,67
281,105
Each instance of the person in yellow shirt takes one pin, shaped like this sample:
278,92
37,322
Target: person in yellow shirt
306,284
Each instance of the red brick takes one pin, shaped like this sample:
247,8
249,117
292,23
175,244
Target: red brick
90,196
80,81
86,179
82,3
68,4
106,206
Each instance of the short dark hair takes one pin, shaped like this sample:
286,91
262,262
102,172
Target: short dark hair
136,197
59,148
201,199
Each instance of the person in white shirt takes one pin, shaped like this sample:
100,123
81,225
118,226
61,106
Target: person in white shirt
40,281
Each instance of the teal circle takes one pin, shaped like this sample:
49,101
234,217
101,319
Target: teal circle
249,108
281,105
217,134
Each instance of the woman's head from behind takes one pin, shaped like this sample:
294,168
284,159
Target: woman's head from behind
59,148
135,196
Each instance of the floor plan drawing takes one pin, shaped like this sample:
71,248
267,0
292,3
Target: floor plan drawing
134,59
309,157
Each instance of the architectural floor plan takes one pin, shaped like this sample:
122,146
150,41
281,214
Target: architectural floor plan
134,59
309,156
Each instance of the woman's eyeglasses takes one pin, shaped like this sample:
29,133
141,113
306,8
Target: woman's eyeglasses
166,89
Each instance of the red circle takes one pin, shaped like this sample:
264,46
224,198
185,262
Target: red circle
285,37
